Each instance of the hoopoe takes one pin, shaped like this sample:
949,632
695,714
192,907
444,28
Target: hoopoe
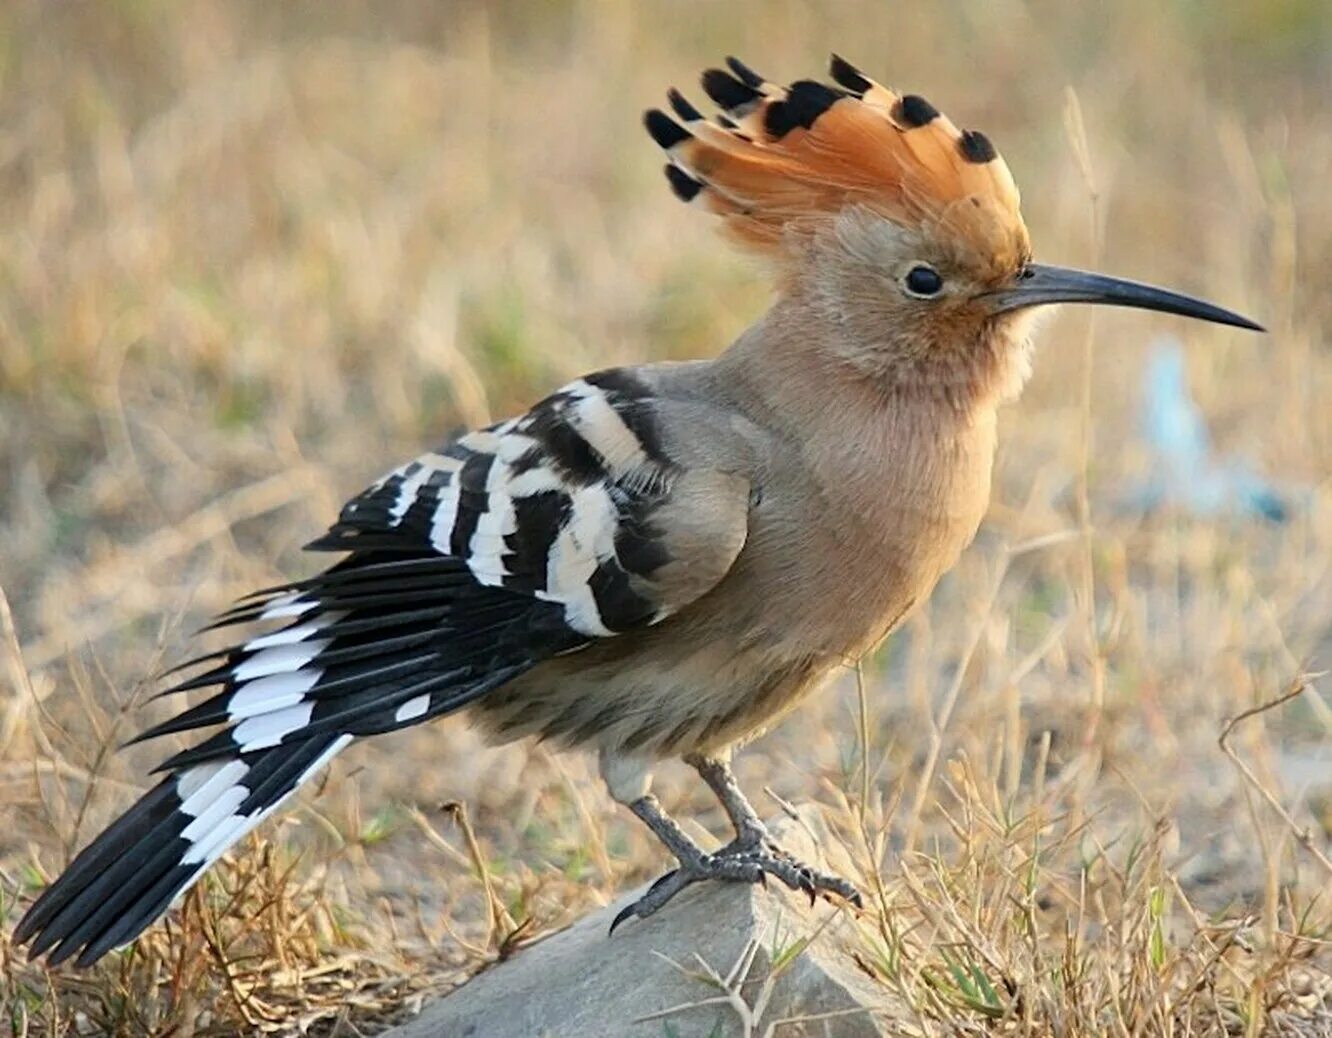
660,560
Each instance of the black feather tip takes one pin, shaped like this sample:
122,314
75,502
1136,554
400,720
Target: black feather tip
805,102
976,147
747,75
686,188
727,91
914,111
664,130
847,75
681,106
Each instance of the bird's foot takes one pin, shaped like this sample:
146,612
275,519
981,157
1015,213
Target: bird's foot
746,860
754,843
776,862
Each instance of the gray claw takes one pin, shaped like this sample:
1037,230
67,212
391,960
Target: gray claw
665,888
620,917
662,890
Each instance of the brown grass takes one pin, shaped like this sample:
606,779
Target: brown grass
251,255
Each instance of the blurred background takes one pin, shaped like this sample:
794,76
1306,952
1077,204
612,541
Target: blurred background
253,255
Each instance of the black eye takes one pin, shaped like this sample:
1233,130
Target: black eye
923,281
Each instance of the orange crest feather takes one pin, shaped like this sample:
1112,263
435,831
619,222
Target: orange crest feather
781,159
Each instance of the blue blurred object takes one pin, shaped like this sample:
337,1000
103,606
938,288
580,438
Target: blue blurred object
1186,472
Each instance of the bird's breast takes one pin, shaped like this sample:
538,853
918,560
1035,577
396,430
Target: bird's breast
870,531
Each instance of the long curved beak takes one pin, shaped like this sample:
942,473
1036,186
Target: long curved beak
1039,284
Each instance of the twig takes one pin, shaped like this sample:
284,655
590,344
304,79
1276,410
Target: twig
862,723
22,771
23,695
1076,130
500,920
1302,835
939,724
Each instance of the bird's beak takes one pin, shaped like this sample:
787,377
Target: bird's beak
1039,284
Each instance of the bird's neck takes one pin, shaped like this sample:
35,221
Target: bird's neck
806,371
927,446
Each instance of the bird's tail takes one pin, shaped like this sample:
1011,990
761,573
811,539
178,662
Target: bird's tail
375,643
126,878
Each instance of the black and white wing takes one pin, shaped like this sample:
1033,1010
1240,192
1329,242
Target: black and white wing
466,567
556,505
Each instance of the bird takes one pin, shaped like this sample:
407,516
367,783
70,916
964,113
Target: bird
655,561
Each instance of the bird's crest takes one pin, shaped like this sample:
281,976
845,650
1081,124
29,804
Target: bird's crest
779,161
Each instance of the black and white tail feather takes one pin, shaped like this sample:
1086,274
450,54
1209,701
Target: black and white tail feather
467,567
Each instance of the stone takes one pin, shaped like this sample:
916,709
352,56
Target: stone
668,975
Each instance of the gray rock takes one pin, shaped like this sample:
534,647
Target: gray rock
668,975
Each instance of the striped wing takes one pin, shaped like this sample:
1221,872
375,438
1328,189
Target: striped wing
556,504
467,567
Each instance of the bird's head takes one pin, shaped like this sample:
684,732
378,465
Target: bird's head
883,218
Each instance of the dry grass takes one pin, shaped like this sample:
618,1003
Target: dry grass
252,254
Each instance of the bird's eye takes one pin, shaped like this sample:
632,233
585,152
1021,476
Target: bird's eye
923,281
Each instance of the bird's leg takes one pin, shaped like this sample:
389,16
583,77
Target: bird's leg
695,863
750,832
628,780
752,841
749,858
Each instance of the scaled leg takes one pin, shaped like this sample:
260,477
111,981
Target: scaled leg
752,841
